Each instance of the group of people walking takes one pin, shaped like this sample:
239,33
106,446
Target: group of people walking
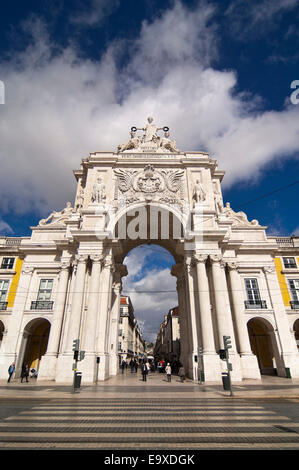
147,367
24,373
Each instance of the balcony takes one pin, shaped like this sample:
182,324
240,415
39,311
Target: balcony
3,305
41,305
255,304
294,304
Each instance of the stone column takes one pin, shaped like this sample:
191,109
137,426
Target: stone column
208,342
106,286
120,271
249,363
88,344
284,339
192,365
77,301
210,360
47,369
177,270
88,366
223,313
64,370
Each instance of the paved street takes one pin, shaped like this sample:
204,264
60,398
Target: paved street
126,413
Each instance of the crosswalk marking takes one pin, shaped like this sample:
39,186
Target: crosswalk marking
148,424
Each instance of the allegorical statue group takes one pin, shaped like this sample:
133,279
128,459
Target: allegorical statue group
150,136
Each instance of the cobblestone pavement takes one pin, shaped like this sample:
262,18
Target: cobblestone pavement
127,414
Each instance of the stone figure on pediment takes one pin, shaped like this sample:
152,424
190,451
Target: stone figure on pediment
167,143
58,217
199,193
238,218
150,131
133,143
150,140
98,192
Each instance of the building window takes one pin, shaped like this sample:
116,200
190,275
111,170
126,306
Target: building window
7,263
45,289
253,294
289,262
294,289
4,283
43,301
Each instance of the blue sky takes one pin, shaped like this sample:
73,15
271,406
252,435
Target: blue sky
78,75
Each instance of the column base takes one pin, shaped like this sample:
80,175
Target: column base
211,367
291,361
249,366
47,367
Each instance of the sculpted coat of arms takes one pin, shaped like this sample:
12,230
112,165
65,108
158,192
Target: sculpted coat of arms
150,184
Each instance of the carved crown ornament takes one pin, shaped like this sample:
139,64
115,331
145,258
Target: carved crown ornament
149,184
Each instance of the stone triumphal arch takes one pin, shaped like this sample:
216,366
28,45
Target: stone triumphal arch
148,191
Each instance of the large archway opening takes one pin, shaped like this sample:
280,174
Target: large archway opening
263,345
150,239
150,286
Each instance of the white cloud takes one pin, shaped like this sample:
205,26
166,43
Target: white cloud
5,228
257,16
94,14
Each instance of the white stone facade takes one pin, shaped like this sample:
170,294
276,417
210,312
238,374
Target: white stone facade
221,260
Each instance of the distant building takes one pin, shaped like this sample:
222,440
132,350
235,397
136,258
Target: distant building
168,339
131,344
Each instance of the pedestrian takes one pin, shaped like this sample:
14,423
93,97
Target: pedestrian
168,372
11,370
25,373
144,371
182,373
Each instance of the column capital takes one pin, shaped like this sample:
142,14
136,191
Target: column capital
96,258
65,264
26,269
232,265
81,258
215,258
200,258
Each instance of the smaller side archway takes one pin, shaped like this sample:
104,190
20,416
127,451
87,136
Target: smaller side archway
263,345
296,331
35,342
2,329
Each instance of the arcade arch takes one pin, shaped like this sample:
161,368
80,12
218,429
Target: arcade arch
264,345
296,331
2,328
34,343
